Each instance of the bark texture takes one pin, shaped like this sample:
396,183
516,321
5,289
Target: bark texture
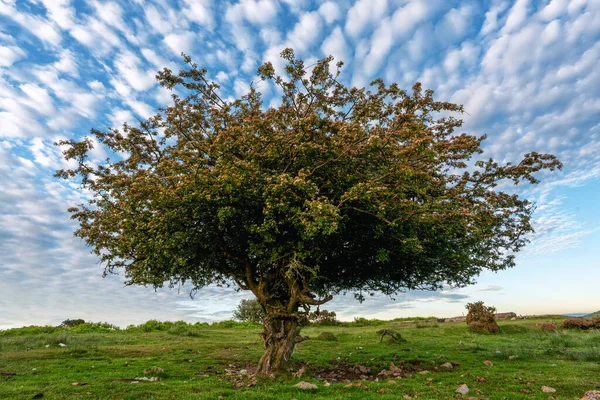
279,338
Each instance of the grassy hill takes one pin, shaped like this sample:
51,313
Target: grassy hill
596,314
214,362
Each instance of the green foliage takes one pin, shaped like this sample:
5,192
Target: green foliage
481,318
391,335
327,336
367,182
323,317
94,327
592,315
69,323
249,311
337,189
360,321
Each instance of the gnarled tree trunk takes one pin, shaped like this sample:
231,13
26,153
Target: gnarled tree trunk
279,338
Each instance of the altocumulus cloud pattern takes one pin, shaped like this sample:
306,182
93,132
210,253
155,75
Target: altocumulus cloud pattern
526,71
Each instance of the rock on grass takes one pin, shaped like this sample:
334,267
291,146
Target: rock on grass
306,385
548,389
591,395
462,389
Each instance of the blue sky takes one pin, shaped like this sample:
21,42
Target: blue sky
526,71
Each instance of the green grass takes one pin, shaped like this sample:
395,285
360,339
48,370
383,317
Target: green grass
196,360
595,314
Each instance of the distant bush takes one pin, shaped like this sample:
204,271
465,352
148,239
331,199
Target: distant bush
327,336
483,327
94,327
422,325
481,318
580,323
249,311
366,322
234,324
323,317
548,327
69,323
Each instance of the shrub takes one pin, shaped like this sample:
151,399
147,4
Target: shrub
484,327
327,336
392,335
249,311
481,318
578,323
548,327
323,317
95,327
367,322
69,323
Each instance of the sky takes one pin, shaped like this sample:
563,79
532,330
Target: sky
526,71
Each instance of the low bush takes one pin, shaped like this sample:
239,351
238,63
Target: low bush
249,311
579,323
366,322
323,317
69,323
327,336
481,318
392,336
548,327
484,327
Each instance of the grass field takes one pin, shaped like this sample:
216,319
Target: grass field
212,362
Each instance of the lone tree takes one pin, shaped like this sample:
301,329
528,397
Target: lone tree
337,189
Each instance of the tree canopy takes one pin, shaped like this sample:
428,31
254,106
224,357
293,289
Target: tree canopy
335,189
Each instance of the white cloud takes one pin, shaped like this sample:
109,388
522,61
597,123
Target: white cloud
335,45
363,14
37,99
330,12
257,12
516,16
180,42
200,11
128,66
305,32
39,27
10,54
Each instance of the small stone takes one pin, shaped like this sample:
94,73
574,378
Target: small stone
62,345
407,397
306,385
423,372
393,382
363,369
462,389
47,345
381,391
488,363
512,357
447,365
441,356
79,383
591,395
548,389
327,384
